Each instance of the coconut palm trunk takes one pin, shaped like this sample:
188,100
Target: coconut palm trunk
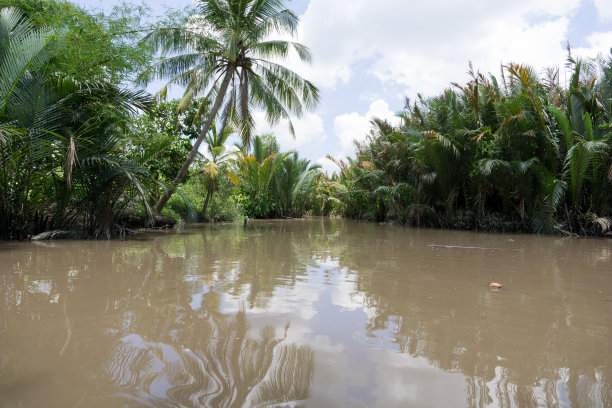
209,194
194,151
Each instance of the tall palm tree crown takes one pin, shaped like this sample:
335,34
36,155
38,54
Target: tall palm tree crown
227,52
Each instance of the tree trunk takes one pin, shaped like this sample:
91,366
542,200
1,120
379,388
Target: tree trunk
211,190
209,194
194,151
104,218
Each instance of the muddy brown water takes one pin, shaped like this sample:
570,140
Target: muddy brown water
317,313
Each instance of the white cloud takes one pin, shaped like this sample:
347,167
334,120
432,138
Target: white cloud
426,45
598,43
352,127
369,96
604,9
308,129
327,165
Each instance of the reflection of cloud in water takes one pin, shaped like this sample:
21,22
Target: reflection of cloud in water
41,286
343,289
198,297
412,381
346,295
382,378
226,368
297,300
300,298
328,262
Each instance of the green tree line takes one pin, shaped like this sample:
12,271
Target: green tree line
82,148
521,152
61,155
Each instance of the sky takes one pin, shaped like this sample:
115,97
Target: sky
368,56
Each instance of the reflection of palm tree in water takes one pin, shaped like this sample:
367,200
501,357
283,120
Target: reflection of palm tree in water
225,369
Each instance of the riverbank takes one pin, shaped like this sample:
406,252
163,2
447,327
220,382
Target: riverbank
494,223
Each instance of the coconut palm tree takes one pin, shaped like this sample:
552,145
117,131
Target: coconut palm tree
227,52
219,156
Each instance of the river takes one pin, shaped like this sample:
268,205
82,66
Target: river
317,312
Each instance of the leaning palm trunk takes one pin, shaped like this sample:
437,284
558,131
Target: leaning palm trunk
209,194
194,151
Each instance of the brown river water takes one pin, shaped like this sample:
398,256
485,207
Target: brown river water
316,313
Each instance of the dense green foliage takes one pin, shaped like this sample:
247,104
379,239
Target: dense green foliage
228,51
261,182
90,46
164,135
60,151
272,183
521,154
79,148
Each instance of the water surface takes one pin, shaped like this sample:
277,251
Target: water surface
316,313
